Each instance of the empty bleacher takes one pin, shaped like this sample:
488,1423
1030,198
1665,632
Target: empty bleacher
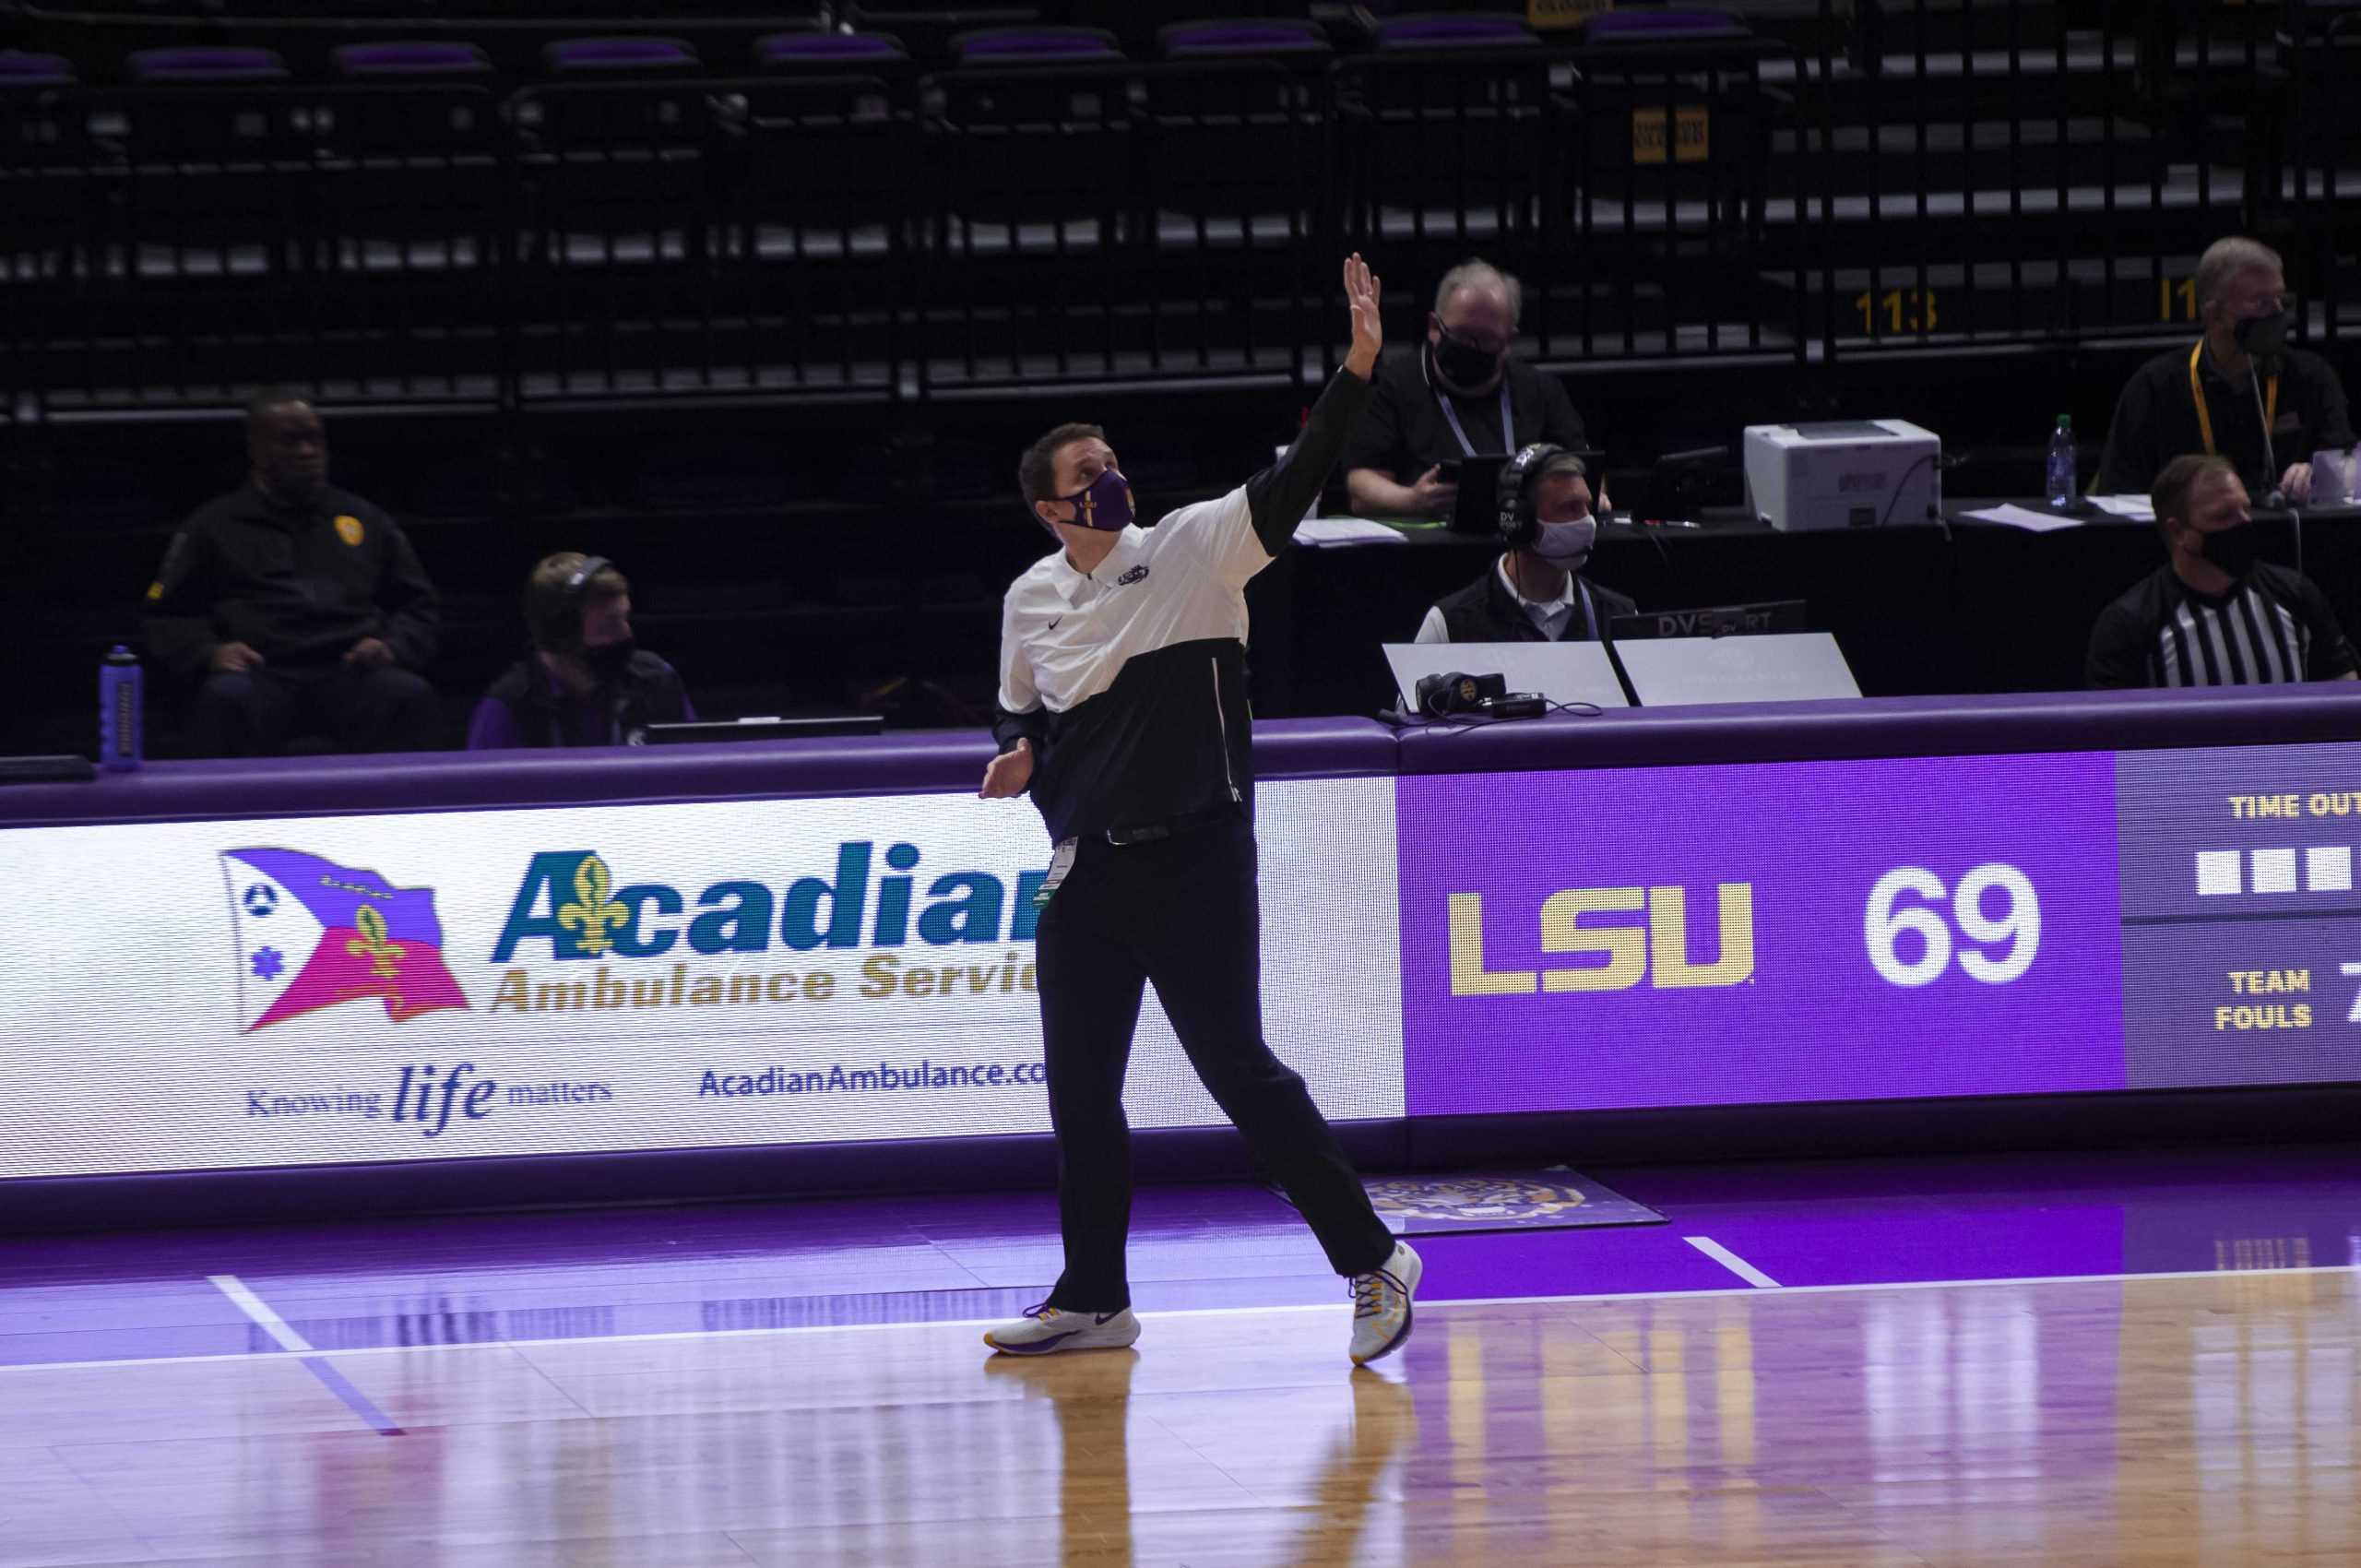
753,295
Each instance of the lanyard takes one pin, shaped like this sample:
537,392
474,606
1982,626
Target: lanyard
2205,415
1508,424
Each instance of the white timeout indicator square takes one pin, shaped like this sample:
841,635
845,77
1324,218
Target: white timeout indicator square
2274,870
2328,868
2217,871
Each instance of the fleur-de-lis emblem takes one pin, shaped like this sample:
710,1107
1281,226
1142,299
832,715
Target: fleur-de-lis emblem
384,958
591,915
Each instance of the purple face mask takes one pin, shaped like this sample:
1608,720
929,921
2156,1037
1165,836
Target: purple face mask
1104,504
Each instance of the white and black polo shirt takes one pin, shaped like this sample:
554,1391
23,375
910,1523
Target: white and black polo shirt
1130,681
2273,627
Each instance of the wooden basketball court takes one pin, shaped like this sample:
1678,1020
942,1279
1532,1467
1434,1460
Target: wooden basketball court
2145,1420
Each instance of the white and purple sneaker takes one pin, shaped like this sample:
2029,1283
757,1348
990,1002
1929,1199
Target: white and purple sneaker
1045,1328
1381,1300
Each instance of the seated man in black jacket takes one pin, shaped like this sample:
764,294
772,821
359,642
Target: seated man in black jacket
299,608
587,682
1123,708
1535,593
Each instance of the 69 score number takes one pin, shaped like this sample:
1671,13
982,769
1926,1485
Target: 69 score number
1913,943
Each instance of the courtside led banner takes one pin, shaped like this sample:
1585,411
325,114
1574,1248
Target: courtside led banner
1871,930
1880,929
186,995
335,990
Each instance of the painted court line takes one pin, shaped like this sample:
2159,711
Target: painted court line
294,1343
1732,1262
1601,1298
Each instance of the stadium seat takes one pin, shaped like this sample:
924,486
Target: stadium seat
1453,29
821,51
212,63
19,69
927,27
440,61
620,57
1257,36
1033,45
1673,25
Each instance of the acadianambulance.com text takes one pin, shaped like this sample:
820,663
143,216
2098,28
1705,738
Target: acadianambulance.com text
839,1079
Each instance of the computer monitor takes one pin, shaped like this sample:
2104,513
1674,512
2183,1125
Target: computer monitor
1777,615
1681,484
766,729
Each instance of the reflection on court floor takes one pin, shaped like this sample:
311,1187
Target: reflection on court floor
717,1386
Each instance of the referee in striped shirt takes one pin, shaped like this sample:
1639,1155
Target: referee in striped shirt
2213,615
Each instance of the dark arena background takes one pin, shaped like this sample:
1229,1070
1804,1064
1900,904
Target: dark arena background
1867,1057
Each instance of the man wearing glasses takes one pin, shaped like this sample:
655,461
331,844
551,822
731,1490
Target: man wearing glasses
2237,393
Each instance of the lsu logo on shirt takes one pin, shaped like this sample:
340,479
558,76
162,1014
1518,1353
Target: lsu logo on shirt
348,529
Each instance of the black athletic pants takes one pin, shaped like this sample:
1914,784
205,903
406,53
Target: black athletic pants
1185,913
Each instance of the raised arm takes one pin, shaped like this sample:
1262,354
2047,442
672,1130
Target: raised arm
1277,498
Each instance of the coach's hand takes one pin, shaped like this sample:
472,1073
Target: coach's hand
1009,772
1361,287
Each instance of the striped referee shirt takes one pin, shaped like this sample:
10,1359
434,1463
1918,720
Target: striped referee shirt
2272,628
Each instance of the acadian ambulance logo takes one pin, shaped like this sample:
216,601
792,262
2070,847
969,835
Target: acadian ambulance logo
743,941
312,934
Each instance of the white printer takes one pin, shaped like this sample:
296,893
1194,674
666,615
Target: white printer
1842,473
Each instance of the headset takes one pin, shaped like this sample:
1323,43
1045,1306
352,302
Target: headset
554,613
1518,522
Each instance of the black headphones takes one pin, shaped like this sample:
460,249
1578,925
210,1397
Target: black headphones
554,613
1518,523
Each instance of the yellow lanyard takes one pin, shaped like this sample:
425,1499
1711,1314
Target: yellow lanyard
2205,415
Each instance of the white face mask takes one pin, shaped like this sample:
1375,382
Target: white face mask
1566,545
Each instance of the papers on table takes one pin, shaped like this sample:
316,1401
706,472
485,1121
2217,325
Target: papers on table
2137,507
1318,532
2023,518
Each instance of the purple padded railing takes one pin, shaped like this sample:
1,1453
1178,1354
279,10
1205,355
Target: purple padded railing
926,762
19,68
1010,46
410,60
211,63
827,48
1246,36
620,54
1452,32
901,763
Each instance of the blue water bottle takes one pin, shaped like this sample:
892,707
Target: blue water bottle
120,709
2061,464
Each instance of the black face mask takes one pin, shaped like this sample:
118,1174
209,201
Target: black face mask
608,661
2231,549
1462,363
2260,336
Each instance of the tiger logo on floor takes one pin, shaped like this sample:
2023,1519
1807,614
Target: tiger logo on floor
1471,1197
